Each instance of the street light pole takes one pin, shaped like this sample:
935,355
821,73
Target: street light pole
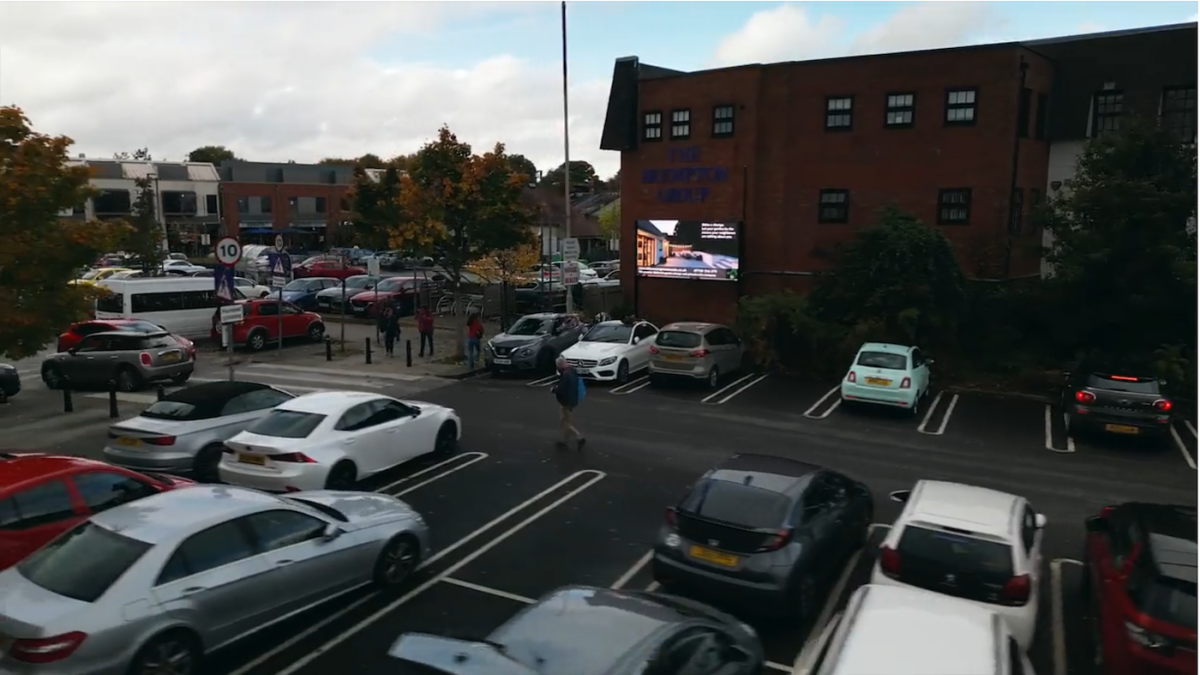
566,158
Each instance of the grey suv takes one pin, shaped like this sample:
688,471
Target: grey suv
132,360
533,342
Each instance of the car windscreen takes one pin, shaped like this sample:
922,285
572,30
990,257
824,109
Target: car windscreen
738,504
299,285
885,360
1170,600
391,284
953,551
1130,384
158,342
530,326
286,424
138,327
613,333
172,410
678,338
358,282
107,555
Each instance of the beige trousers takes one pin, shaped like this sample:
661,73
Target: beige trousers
565,424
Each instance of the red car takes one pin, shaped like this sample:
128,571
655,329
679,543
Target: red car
260,324
1140,562
338,269
80,330
389,292
42,496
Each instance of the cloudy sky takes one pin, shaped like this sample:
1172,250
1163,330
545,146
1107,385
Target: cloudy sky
279,81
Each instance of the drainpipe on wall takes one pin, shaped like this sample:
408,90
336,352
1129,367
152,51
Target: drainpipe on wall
1012,185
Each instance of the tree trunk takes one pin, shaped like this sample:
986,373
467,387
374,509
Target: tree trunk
460,333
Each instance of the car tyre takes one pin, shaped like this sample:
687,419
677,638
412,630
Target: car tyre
180,378
316,332
176,652
127,379
343,476
256,341
397,561
447,440
623,372
915,409
714,378
204,467
803,598
52,376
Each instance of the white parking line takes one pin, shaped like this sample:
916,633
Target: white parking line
744,387
1187,456
543,381
726,388
653,586
1049,434
1191,428
320,625
632,571
1056,610
489,591
771,665
474,457
945,418
809,413
836,593
631,386
317,651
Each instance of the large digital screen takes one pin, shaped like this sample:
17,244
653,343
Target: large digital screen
688,249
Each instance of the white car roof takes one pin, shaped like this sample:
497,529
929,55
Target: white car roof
329,403
967,507
899,631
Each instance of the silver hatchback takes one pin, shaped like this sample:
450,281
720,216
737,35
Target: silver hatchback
130,360
705,352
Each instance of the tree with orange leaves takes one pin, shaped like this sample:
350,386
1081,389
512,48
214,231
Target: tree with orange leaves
460,206
41,251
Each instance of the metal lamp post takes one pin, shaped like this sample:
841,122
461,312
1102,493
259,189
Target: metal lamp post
566,159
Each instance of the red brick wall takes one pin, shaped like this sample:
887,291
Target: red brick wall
780,157
281,192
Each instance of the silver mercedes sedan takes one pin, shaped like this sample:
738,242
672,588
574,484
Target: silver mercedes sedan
153,585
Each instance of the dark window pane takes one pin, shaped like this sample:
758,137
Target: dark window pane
737,504
287,424
107,555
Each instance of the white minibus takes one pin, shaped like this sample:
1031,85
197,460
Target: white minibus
182,305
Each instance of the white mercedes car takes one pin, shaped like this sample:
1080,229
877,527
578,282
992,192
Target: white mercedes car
333,439
612,350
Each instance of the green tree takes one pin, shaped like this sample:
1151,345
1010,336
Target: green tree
145,236
899,281
367,161
375,206
40,251
610,221
212,154
613,184
1124,260
583,176
140,155
462,205
523,165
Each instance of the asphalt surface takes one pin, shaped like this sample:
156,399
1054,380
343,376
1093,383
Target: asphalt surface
512,518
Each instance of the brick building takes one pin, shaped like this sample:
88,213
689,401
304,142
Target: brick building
306,203
804,153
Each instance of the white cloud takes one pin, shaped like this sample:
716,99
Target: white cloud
791,32
279,81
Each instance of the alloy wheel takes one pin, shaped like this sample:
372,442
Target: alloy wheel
170,657
623,372
399,560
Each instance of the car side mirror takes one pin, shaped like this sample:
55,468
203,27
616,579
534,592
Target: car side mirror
580,339
636,340
72,351
1096,525
1040,521
900,496
331,532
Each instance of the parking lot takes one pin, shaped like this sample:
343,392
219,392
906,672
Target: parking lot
512,518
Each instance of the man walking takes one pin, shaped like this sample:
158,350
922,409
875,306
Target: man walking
392,330
569,392
425,328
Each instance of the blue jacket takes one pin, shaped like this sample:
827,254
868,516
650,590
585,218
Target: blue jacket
567,389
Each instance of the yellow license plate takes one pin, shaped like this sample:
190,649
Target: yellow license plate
879,381
129,442
251,459
1121,429
673,357
171,357
715,557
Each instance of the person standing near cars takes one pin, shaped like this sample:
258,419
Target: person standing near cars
391,330
425,328
568,391
474,340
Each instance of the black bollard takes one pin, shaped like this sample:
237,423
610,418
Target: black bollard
328,349
408,353
3,397
68,404
368,352
162,393
112,400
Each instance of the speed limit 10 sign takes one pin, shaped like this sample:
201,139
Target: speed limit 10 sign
229,251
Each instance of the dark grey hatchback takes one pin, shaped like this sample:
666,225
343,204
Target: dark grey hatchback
767,532
580,630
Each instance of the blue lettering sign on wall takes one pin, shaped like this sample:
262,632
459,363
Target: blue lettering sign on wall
684,184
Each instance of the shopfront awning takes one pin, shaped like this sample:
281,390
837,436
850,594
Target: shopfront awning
257,230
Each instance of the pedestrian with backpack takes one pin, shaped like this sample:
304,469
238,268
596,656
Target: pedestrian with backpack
569,392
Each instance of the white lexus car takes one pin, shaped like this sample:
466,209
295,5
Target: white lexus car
333,439
612,350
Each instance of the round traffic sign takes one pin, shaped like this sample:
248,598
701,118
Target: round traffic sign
229,251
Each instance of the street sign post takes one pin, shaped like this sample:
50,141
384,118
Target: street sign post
223,283
281,264
570,274
228,251
231,314
570,249
373,265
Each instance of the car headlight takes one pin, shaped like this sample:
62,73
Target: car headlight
525,352
608,361
490,346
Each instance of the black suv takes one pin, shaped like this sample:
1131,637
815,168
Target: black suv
1116,403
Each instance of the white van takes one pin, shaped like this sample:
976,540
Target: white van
182,305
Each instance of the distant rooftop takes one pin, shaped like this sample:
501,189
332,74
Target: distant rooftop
129,169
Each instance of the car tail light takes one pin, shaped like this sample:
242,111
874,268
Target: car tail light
777,541
46,650
1016,591
294,457
906,383
1106,512
144,357
1085,397
698,353
160,440
852,377
1162,405
1123,378
653,349
672,517
889,561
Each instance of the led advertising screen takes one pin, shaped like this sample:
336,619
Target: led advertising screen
688,249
